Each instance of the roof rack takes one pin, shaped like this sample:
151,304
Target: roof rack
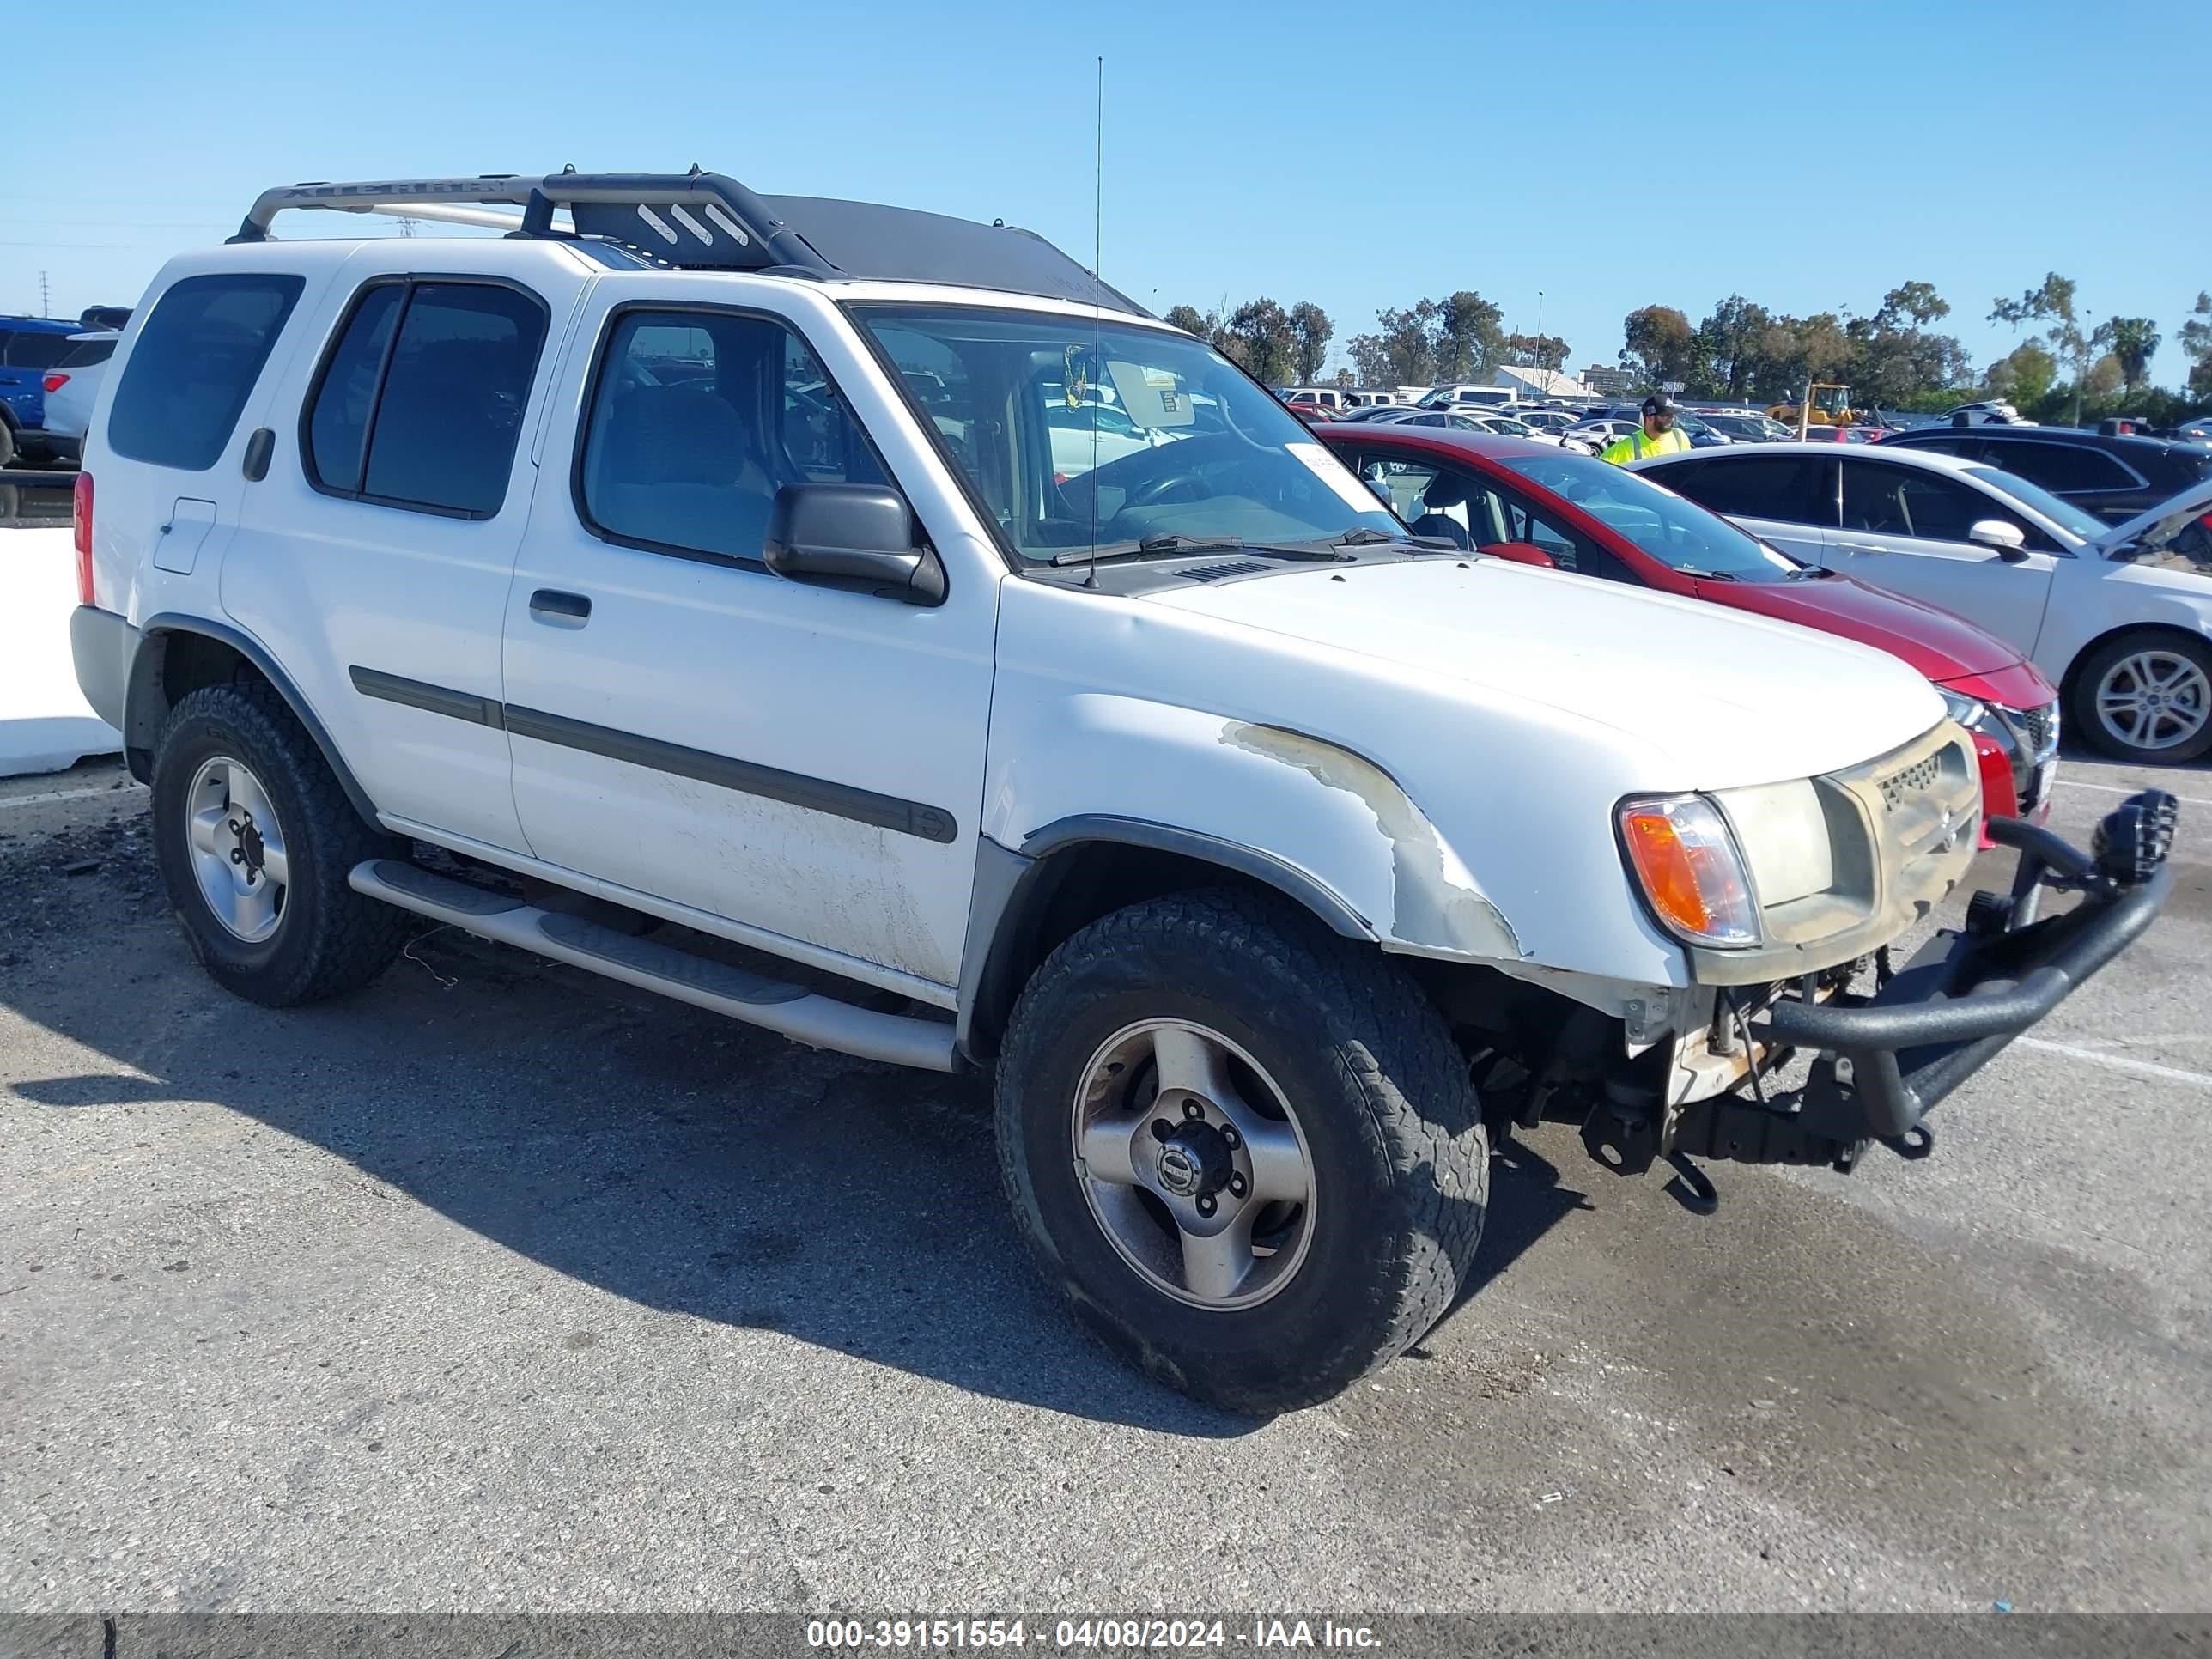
699,221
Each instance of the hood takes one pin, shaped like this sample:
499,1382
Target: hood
2159,522
1730,697
1940,646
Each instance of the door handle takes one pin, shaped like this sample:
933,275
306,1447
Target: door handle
550,605
1862,547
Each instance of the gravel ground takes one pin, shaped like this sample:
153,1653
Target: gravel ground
498,1287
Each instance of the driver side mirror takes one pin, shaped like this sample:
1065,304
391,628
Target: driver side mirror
1520,553
849,535
2009,540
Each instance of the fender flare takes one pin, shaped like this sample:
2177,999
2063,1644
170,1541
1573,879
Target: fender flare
1012,889
144,705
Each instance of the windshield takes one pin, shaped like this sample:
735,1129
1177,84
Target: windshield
1075,434
2064,514
1679,533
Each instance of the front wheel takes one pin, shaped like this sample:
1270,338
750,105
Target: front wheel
1245,1150
2147,698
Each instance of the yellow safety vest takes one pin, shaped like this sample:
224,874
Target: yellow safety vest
1635,446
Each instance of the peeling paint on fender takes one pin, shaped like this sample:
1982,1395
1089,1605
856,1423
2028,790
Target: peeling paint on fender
1434,903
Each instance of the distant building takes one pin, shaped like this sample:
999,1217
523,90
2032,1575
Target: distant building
1606,382
1542,383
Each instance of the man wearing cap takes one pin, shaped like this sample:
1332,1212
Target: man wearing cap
1657,436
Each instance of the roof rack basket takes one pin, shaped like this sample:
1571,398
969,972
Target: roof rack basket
695,220
699,221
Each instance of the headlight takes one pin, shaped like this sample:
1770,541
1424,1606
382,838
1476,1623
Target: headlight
1686,862
1963,709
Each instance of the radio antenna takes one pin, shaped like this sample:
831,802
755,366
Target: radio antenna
1098,298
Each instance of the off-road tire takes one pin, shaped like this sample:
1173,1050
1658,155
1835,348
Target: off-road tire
2082,716
329,939
1399,1159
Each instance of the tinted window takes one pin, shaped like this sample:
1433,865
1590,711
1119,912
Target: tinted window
1896,500
193,367
2061,467
1965,448
451,407
698,419
83,353
338,419
1779,487
34,351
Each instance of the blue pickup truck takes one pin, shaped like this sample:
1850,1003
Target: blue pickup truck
29,346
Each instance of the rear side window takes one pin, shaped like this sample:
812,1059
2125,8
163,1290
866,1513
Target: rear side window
194,365
34,351
420,402
1778,486
2060,468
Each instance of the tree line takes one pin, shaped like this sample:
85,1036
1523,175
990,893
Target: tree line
1892,357
1460,337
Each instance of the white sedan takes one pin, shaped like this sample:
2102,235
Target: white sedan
2119,617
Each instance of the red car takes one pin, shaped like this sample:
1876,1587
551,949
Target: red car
1539,505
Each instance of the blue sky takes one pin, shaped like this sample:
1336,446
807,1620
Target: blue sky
1607,156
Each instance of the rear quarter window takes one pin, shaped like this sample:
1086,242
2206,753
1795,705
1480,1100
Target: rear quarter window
83,353
27,349
188,377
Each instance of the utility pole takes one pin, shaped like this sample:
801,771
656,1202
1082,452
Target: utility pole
43,305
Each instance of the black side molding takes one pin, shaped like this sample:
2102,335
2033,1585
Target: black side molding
420,694
842,800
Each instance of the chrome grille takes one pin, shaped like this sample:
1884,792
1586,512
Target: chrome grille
1901,785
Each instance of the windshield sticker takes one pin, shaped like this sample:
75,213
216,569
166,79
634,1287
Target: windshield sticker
1152,397
1331,471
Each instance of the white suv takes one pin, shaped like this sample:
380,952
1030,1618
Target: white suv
717,557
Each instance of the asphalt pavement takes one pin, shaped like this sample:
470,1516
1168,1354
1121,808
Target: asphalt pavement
499,1287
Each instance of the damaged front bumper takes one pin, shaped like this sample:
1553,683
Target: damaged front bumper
1881,1062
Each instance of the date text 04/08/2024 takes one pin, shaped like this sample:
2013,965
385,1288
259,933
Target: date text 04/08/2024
1109,1634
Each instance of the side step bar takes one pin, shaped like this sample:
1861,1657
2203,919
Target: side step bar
790,1010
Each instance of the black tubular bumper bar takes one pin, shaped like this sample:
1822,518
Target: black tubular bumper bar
1968,994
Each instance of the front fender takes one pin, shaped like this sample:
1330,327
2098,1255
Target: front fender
1341,827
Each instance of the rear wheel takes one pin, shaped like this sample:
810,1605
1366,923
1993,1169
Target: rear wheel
1245,1150
2146,696
255,840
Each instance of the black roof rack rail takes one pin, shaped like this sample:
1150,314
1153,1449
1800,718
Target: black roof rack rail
699,221
695,220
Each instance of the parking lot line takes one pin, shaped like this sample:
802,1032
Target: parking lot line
2117,1062
2114,789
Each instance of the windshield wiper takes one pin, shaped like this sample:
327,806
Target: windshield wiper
1705,575
1361,536
1152,547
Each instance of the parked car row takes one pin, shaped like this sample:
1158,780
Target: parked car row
1578,513
41,357
2118,616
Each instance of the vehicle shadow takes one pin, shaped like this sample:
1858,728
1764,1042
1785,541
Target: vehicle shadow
668,1156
